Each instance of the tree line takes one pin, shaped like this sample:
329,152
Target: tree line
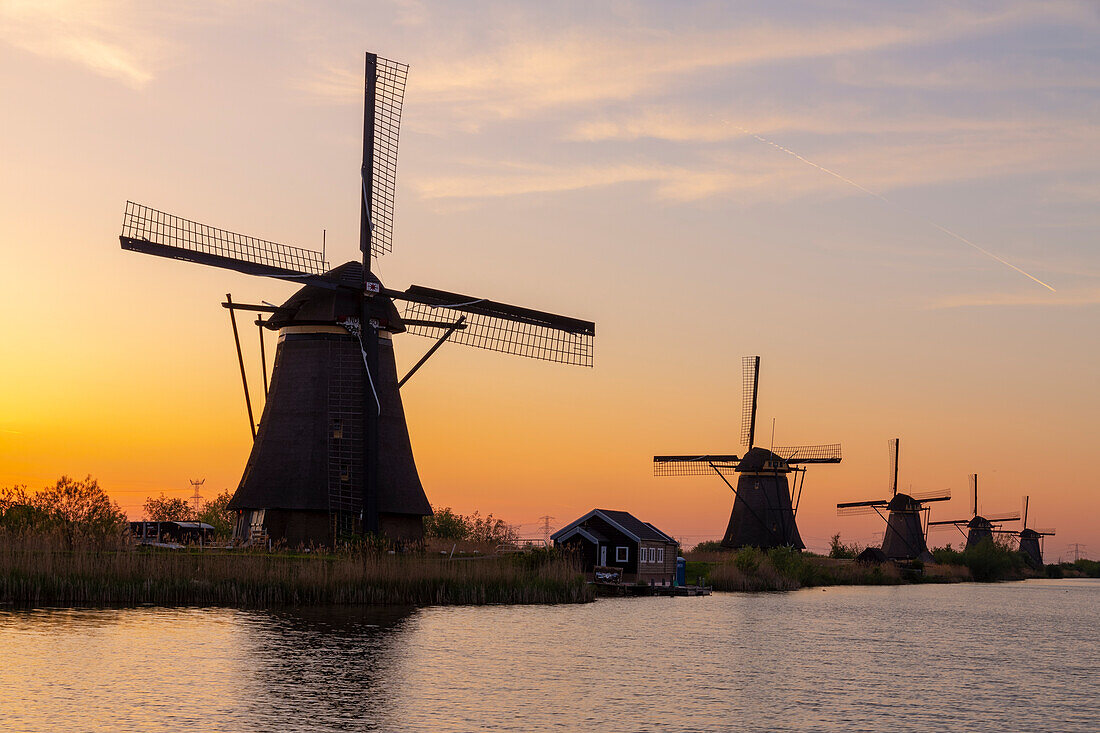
80,511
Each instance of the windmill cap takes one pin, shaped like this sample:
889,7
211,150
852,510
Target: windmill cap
757,458
313,303
903,503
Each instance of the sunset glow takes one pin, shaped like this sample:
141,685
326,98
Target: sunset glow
595,163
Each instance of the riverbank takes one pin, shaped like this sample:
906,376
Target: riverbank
782,569
35,572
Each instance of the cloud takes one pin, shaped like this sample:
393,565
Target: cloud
670,182
125,40
532,73
758,172
92,33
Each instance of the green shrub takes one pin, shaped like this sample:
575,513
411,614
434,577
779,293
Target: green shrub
1090,568
840,551
748,559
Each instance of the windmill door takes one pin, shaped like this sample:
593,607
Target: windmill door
603,556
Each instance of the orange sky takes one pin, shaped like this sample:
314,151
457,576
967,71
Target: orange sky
591,163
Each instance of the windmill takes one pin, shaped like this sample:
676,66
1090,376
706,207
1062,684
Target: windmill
906,536
764,509
1031,540
979,527
332,457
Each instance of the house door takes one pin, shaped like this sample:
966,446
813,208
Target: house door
603,555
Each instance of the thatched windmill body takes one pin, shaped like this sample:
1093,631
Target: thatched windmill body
979,527
332,457
1031,540
906,534
764,509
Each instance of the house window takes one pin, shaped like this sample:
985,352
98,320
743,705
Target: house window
622,554
660,554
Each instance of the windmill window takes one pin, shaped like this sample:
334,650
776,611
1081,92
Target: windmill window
622,554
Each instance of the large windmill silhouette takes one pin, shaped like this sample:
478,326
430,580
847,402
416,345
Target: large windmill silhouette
764,509
906,536
332,457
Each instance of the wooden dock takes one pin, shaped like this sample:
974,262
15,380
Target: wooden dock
630,589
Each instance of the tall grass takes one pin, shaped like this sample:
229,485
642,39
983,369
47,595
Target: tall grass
781,569
37,570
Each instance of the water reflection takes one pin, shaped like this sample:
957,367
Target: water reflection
973,657
331,668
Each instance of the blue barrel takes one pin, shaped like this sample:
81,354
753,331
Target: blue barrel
681,571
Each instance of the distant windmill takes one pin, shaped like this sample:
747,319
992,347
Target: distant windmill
906,537
979,527
1031,540
332,456
764,509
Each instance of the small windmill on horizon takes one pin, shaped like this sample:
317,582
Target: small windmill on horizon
764,505
332,457
906,536
1031,539
978,527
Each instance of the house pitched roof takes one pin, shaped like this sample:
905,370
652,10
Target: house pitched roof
625,522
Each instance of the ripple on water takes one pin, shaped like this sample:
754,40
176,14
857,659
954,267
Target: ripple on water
961,657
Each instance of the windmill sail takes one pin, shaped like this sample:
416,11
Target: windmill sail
382,120
829,453
750,387
895,445
154,232
704,465
499,327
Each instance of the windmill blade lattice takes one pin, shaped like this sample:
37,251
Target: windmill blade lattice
693,465
934,495
829,453
389,93
154,232
499,327
750,375
862,508
895,444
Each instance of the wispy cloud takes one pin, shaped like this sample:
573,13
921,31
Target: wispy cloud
671,182
534,73
92,33
882,163
126,40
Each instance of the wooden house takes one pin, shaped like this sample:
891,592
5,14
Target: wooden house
614,539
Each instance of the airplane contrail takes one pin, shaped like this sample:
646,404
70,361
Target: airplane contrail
879,196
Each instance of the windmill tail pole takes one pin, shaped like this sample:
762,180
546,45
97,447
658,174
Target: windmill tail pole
240,361
435,347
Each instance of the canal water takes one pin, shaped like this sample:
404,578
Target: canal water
968,657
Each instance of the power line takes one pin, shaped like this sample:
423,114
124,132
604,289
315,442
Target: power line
1077,548
196,498
546,527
